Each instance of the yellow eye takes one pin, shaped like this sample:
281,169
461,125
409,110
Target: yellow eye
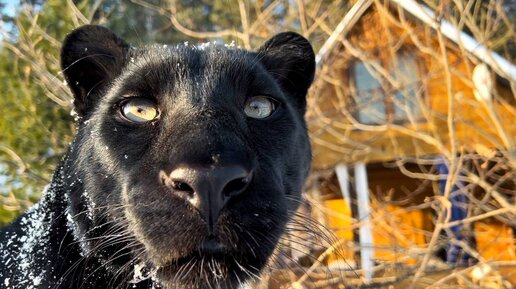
259,107
140,110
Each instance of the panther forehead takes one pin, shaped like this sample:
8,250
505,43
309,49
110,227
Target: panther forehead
195,73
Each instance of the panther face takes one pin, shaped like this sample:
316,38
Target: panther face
192,158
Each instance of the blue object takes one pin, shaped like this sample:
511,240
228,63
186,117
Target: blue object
454,253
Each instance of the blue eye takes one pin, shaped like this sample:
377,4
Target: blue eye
140,110
259,107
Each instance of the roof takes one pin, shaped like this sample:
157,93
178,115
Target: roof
498,63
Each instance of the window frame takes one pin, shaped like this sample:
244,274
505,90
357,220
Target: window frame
390,92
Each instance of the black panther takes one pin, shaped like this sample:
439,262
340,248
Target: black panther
187,164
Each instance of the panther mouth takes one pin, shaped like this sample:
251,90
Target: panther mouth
210,250
211,246
210,263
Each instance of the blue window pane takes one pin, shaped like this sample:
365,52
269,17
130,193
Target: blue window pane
370,97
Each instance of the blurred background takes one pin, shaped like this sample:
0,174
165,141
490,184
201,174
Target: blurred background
412,118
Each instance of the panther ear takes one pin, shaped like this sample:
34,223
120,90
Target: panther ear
91,57
290,59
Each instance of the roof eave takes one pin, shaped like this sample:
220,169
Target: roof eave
499,64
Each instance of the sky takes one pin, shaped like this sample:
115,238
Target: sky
9,9
9,6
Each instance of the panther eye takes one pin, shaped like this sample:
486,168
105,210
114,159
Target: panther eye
140,110
259,107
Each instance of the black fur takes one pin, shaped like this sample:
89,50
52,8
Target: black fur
108,220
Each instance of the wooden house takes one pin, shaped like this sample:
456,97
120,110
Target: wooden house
403,99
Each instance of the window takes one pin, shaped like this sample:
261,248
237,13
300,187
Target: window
376,103
370,96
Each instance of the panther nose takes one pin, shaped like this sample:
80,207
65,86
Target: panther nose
208,189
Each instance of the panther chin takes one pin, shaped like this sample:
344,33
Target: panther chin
206,270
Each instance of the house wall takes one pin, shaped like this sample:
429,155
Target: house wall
336,138
402,221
